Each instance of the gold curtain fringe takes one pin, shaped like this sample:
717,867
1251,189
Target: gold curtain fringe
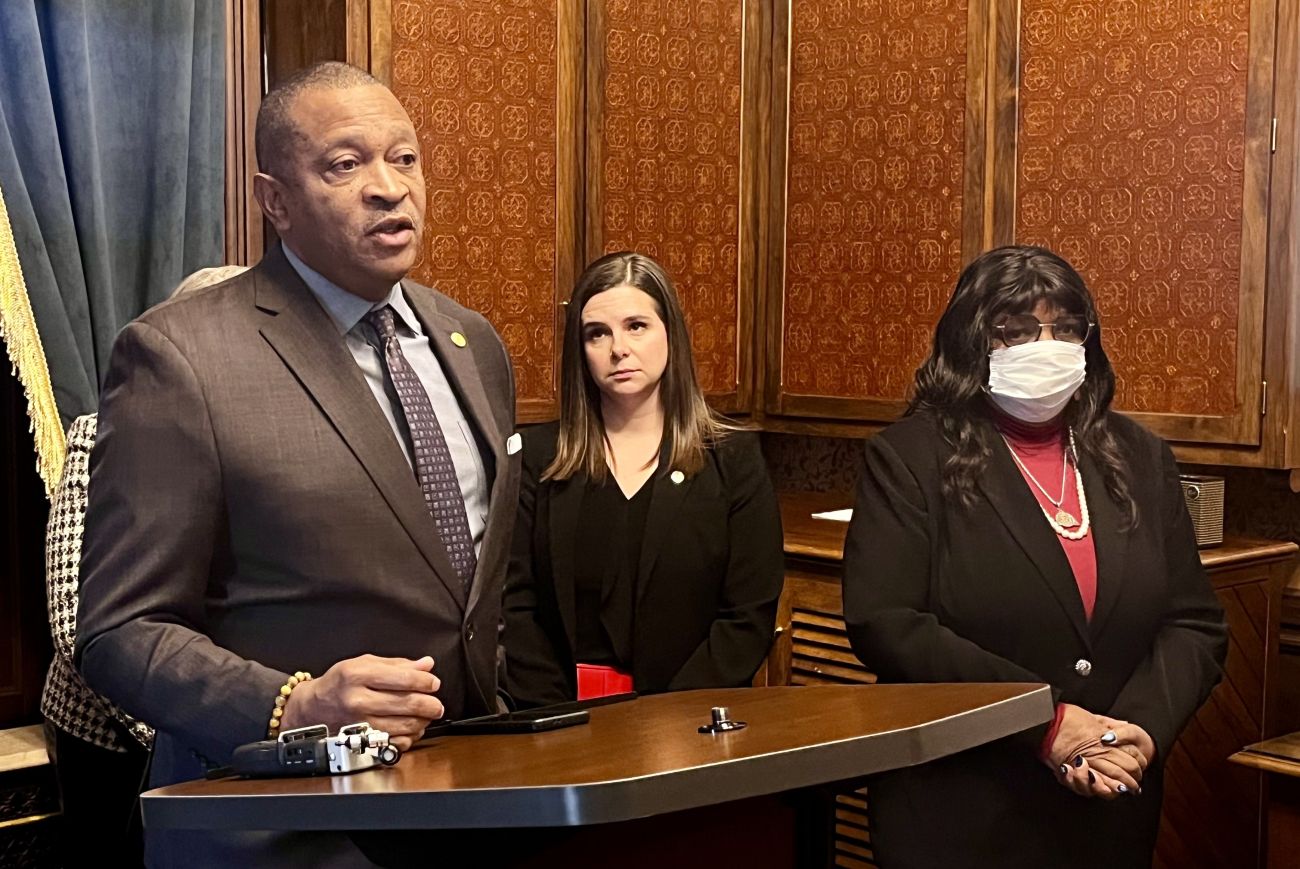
27,356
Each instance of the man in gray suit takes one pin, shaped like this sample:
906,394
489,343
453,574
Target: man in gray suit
306,468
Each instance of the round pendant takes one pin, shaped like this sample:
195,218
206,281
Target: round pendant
1065,520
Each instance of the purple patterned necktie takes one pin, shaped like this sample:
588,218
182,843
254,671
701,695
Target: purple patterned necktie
433,465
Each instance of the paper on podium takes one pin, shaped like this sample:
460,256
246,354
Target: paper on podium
836,515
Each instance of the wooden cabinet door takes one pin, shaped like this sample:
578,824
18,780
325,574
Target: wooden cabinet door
1133,137
877,179
1214,810
672,139
494,90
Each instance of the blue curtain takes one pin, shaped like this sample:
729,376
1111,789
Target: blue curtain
111,165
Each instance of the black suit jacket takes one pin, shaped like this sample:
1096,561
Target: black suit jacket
251,513
937,593
710,575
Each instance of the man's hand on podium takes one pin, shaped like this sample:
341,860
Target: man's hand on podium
390,694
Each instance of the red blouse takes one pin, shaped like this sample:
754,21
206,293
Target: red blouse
1041,449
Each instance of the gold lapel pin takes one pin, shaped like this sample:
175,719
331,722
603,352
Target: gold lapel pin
458,339
677,477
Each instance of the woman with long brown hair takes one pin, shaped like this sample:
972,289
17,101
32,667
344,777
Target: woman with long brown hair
648,551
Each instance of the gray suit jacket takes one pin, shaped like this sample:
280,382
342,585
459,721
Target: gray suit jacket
252,514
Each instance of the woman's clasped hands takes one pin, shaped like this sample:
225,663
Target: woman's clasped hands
1098,756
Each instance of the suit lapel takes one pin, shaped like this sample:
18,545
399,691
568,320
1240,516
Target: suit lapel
565,512
459,364
665,505
1016,506
306,339
1109,543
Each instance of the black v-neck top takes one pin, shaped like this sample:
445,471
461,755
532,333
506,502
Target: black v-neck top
610,533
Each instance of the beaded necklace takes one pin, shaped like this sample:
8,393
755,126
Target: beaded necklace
1063,522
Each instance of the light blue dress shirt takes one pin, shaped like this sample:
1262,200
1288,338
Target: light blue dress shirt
347,311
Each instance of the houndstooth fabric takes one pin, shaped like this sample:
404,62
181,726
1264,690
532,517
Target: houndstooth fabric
67,701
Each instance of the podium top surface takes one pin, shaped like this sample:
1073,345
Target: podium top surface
1279,755
634,759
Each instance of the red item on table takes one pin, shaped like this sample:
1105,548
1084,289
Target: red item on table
596,680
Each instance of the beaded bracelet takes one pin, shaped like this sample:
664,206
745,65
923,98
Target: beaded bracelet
273,728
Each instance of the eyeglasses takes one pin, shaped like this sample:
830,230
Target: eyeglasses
1023,328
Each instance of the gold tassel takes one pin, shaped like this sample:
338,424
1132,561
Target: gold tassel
27,356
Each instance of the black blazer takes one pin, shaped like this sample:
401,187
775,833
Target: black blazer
710,575
936,593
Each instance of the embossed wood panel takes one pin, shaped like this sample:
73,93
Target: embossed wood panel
874,153
672,141
479,80
1141,156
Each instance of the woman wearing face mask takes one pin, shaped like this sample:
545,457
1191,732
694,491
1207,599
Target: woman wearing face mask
1012,528
647,553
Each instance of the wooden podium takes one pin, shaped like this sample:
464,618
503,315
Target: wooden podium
1280,759
639,772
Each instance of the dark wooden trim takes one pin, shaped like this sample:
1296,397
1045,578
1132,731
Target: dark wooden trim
838,424
1004,105
1260,84
974,198
828,428
755,136
597,70
533,410
380,35
1282,339
357,30
773,287
243,217
761,167
865,409
571,186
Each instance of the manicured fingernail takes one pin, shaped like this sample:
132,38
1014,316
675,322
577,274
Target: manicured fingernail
1123,789
1139,790
1108,738
1065,769
1078,760
1092,779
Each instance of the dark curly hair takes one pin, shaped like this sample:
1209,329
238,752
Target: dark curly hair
950,384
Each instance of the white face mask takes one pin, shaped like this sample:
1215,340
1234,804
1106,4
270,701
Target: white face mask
1033,382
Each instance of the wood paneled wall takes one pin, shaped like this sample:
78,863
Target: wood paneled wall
871,107
481,83
814,174
670,136
1142,156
